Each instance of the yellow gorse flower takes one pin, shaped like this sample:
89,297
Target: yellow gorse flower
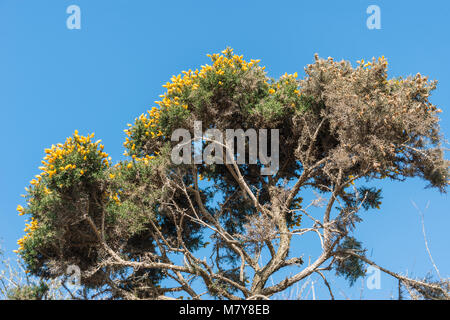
367,65
60,159
55,155
21,210
29,229
187,81
147,125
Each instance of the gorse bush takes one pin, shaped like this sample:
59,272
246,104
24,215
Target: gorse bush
128,226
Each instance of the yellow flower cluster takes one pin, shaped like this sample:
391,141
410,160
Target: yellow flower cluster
112,196
21,210
186,81
33,225
227,59
57,154
179,83
60,159
29,229
149,122
145,159
286,79
115,197
367,65
189,80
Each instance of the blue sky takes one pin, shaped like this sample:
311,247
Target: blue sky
54,80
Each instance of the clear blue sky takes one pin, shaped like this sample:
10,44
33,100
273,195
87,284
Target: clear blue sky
97,79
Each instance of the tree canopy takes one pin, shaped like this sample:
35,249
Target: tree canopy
132,225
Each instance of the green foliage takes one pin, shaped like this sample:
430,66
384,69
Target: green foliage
29,292
350,267
353,122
